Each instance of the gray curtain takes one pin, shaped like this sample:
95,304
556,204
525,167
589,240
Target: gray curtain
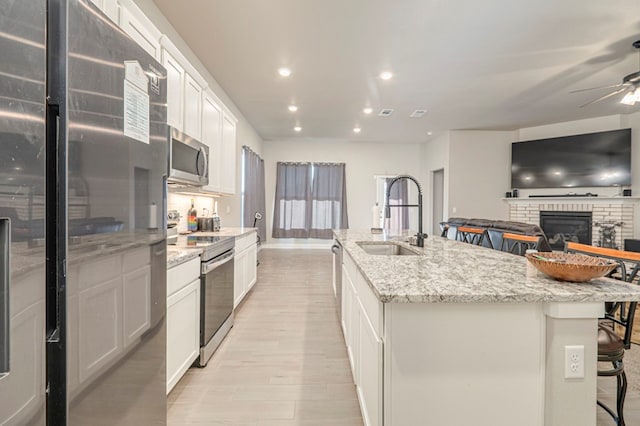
399,216
253,197
293,190
310,200
329,200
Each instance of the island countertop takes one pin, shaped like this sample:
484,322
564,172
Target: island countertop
448,271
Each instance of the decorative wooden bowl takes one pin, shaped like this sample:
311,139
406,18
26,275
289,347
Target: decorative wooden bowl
571,266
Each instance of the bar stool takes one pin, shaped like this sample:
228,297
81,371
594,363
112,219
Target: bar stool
471,235
611,346
518,243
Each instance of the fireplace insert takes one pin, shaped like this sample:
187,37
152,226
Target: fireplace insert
561,227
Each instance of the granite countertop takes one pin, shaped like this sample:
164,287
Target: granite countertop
456,272
180,254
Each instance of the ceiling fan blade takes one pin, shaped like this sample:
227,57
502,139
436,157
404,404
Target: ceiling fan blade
601,98
599,87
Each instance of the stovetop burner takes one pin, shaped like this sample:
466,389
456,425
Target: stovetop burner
211,246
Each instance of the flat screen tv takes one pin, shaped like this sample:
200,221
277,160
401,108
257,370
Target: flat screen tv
593,159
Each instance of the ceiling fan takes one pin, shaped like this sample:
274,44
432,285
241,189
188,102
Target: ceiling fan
630,84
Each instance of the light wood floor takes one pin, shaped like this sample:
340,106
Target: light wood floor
284,361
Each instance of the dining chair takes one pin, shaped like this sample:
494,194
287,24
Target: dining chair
518,243
471,235
615,329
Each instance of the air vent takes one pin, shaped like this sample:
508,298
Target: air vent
418,113
385,112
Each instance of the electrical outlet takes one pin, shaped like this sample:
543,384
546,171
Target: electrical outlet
574,362
454,210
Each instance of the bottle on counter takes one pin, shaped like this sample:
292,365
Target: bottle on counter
192,218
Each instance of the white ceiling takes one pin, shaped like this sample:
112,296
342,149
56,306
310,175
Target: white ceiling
491,64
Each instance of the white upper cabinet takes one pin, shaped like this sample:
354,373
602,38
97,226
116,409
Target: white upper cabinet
228,168
141,29
192,107
175,86
184,91
109,7
212,136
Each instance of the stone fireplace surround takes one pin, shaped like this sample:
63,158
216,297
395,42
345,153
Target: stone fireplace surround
604,209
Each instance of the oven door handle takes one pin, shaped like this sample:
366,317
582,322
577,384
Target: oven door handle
219,261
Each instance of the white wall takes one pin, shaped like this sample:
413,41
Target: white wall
479,173
436,157
363,161
229,207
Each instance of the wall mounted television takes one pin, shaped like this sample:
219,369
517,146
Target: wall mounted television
589,160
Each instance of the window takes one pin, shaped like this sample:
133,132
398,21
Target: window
310,200
399,220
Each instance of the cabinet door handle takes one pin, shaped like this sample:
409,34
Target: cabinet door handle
5,278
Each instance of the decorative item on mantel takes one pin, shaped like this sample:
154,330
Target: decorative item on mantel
607,233
571,267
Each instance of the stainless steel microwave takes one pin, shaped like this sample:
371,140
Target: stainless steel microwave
188,159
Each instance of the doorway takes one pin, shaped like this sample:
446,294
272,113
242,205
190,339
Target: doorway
437,214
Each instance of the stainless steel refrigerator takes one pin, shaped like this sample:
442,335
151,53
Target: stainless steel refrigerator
83,164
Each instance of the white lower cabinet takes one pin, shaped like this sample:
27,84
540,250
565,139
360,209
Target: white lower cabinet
183,331
370,372
239,287
183,319
245,266
360,316
252,263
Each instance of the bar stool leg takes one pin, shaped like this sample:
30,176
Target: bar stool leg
622,392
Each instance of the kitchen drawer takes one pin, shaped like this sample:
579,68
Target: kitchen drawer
181,275
246,240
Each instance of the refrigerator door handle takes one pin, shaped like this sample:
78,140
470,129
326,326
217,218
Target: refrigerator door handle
5,277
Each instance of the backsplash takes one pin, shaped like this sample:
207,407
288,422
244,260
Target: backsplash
182,203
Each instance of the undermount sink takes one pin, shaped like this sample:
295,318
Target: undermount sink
386,249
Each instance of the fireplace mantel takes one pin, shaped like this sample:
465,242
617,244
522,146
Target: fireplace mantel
573,200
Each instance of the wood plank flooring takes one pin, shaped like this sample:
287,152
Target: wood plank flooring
284,361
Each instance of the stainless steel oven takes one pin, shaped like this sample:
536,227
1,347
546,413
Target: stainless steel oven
216,294
188,160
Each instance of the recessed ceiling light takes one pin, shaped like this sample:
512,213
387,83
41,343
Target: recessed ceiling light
284,72
429,133
386,75
293,108
386,112
419,113
356,130
367,110
297,129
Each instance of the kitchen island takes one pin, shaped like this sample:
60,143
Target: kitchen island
464,335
